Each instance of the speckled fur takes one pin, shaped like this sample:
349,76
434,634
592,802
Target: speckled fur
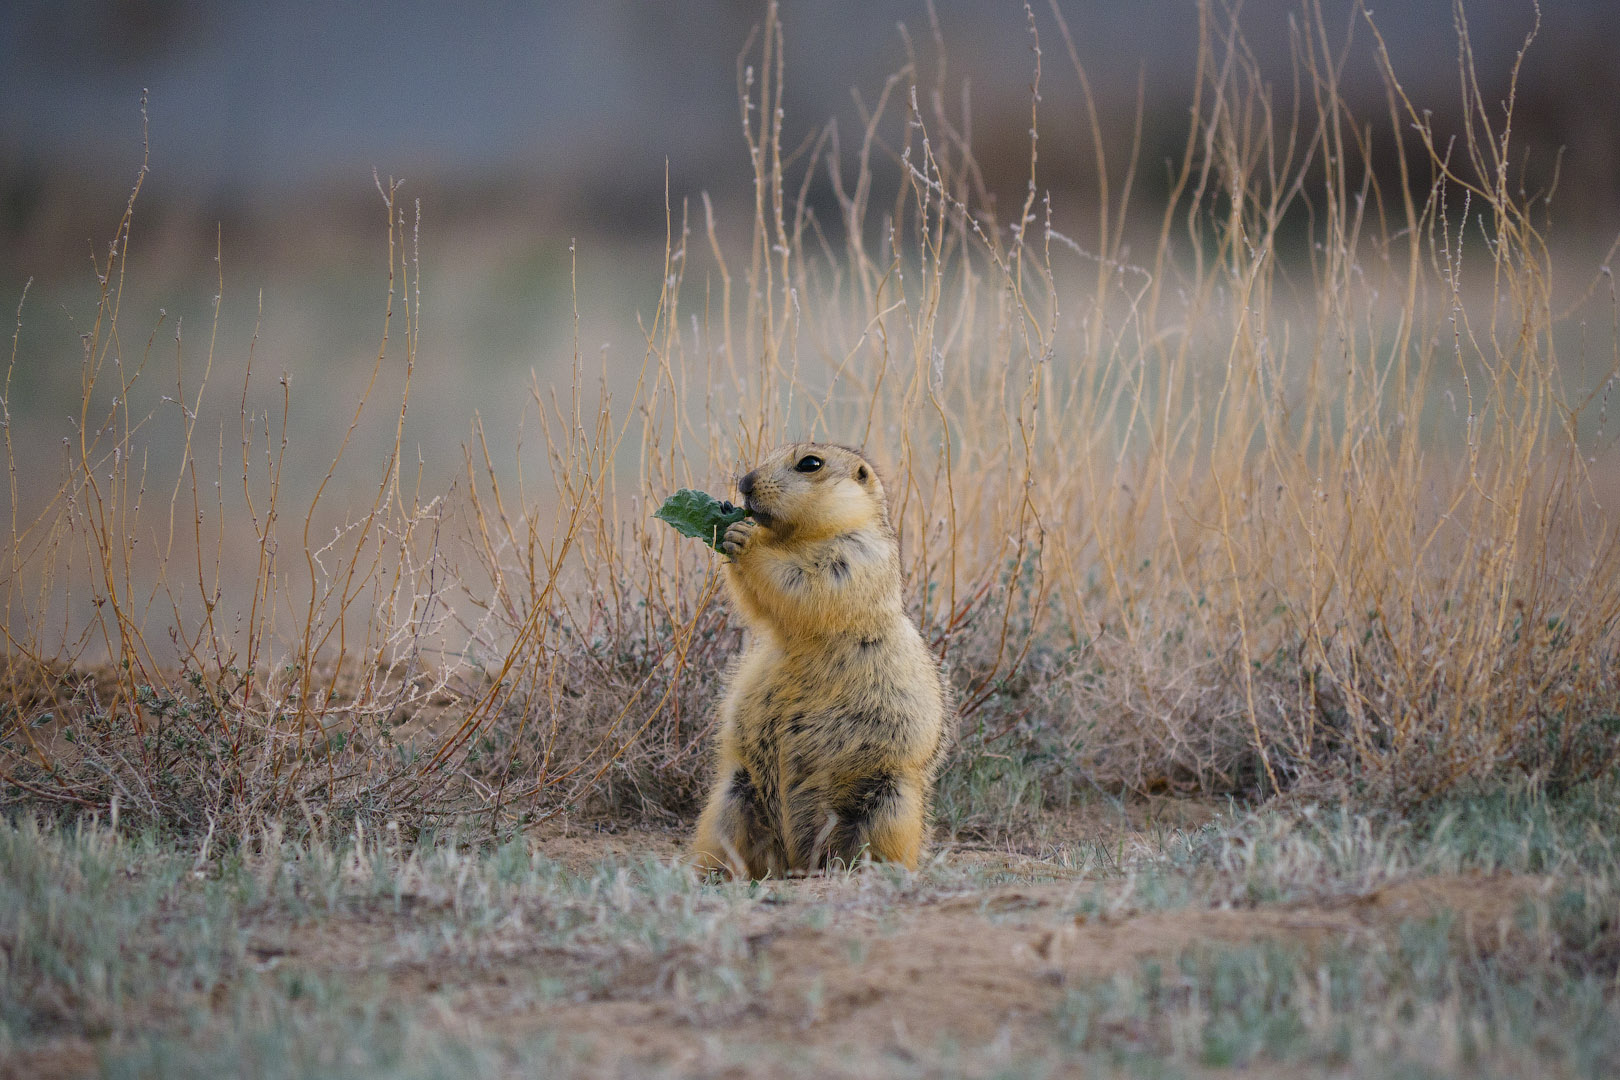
833,723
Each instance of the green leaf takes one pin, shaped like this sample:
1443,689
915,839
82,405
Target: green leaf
699,514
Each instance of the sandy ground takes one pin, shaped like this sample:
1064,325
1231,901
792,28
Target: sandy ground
975,975
846,975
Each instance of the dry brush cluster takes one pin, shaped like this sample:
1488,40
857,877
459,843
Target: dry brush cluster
1289,479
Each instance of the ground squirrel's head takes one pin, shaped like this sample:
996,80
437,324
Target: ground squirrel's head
814,489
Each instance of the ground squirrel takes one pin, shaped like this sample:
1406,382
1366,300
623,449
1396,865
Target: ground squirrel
834,720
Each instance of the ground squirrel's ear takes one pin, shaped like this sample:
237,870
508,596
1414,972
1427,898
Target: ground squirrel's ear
862,473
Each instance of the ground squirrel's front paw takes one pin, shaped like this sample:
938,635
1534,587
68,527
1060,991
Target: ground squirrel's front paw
738,536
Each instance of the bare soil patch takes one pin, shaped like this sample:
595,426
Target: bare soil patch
841,974
962,972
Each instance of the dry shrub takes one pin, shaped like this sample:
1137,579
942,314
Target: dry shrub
1302,497
233,668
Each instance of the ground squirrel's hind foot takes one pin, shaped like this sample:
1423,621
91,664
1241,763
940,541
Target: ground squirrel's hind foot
896,829
734,835
881,817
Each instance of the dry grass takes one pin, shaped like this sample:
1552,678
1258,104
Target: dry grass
1301,497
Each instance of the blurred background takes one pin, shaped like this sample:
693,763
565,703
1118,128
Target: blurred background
520,128
269,117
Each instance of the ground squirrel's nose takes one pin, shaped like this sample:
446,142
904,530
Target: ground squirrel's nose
746,484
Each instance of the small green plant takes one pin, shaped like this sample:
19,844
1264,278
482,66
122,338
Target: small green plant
699,515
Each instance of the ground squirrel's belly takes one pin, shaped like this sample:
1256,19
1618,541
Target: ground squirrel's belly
838,711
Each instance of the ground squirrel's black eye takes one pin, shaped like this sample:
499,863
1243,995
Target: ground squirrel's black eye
860,474
808,463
